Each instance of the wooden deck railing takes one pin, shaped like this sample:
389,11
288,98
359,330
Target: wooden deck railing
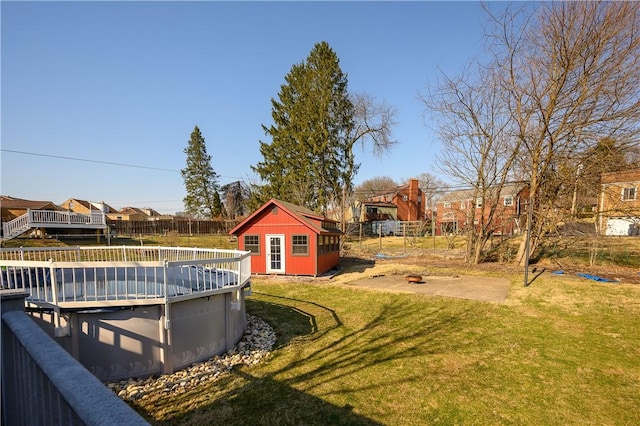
52,219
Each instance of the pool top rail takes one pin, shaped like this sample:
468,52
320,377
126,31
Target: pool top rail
93,277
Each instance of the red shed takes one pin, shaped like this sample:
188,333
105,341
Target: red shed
288,239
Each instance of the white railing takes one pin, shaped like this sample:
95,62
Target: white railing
16,226
53,218
97,276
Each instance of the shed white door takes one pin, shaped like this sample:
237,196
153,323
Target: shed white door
275,254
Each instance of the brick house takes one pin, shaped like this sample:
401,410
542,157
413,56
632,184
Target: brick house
457,210
619,204
408,199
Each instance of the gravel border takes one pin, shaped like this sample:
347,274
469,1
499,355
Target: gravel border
255,345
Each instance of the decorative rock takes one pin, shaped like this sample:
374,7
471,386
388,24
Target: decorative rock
256,344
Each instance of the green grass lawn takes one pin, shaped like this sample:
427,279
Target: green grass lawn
561,351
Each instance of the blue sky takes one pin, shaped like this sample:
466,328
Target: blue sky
126,82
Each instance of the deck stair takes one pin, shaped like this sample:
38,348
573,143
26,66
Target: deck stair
34,219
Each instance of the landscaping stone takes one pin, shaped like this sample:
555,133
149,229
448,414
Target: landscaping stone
255,346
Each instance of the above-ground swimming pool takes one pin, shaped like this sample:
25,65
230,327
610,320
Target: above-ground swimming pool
134,311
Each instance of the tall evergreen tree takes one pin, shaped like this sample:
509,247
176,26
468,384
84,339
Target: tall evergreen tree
200,180
313,117
218,206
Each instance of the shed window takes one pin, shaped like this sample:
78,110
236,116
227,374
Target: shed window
300,245
252,243
478,203
328,244
628,194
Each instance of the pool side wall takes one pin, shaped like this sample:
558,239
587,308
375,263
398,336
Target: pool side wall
128,342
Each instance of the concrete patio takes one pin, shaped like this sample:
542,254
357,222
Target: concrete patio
489,289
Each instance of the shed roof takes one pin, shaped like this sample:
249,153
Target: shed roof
302,214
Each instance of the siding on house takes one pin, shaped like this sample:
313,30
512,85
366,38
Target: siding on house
458,210
619,203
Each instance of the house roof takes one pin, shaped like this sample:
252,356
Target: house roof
19,203
132,210
302,214
151,212
92,205
625,176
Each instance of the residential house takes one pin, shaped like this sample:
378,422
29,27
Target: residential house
86,207
619,204
457,210
12,207
284,238
133,214
370,211
408,199
20,217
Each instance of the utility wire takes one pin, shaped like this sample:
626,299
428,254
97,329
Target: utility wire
87,160
137,166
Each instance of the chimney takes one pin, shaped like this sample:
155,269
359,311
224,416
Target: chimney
414,199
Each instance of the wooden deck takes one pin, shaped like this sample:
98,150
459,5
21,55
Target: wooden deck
35,219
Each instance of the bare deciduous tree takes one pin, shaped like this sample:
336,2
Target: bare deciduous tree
564,76
374,186
473,125
372,127
571,76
